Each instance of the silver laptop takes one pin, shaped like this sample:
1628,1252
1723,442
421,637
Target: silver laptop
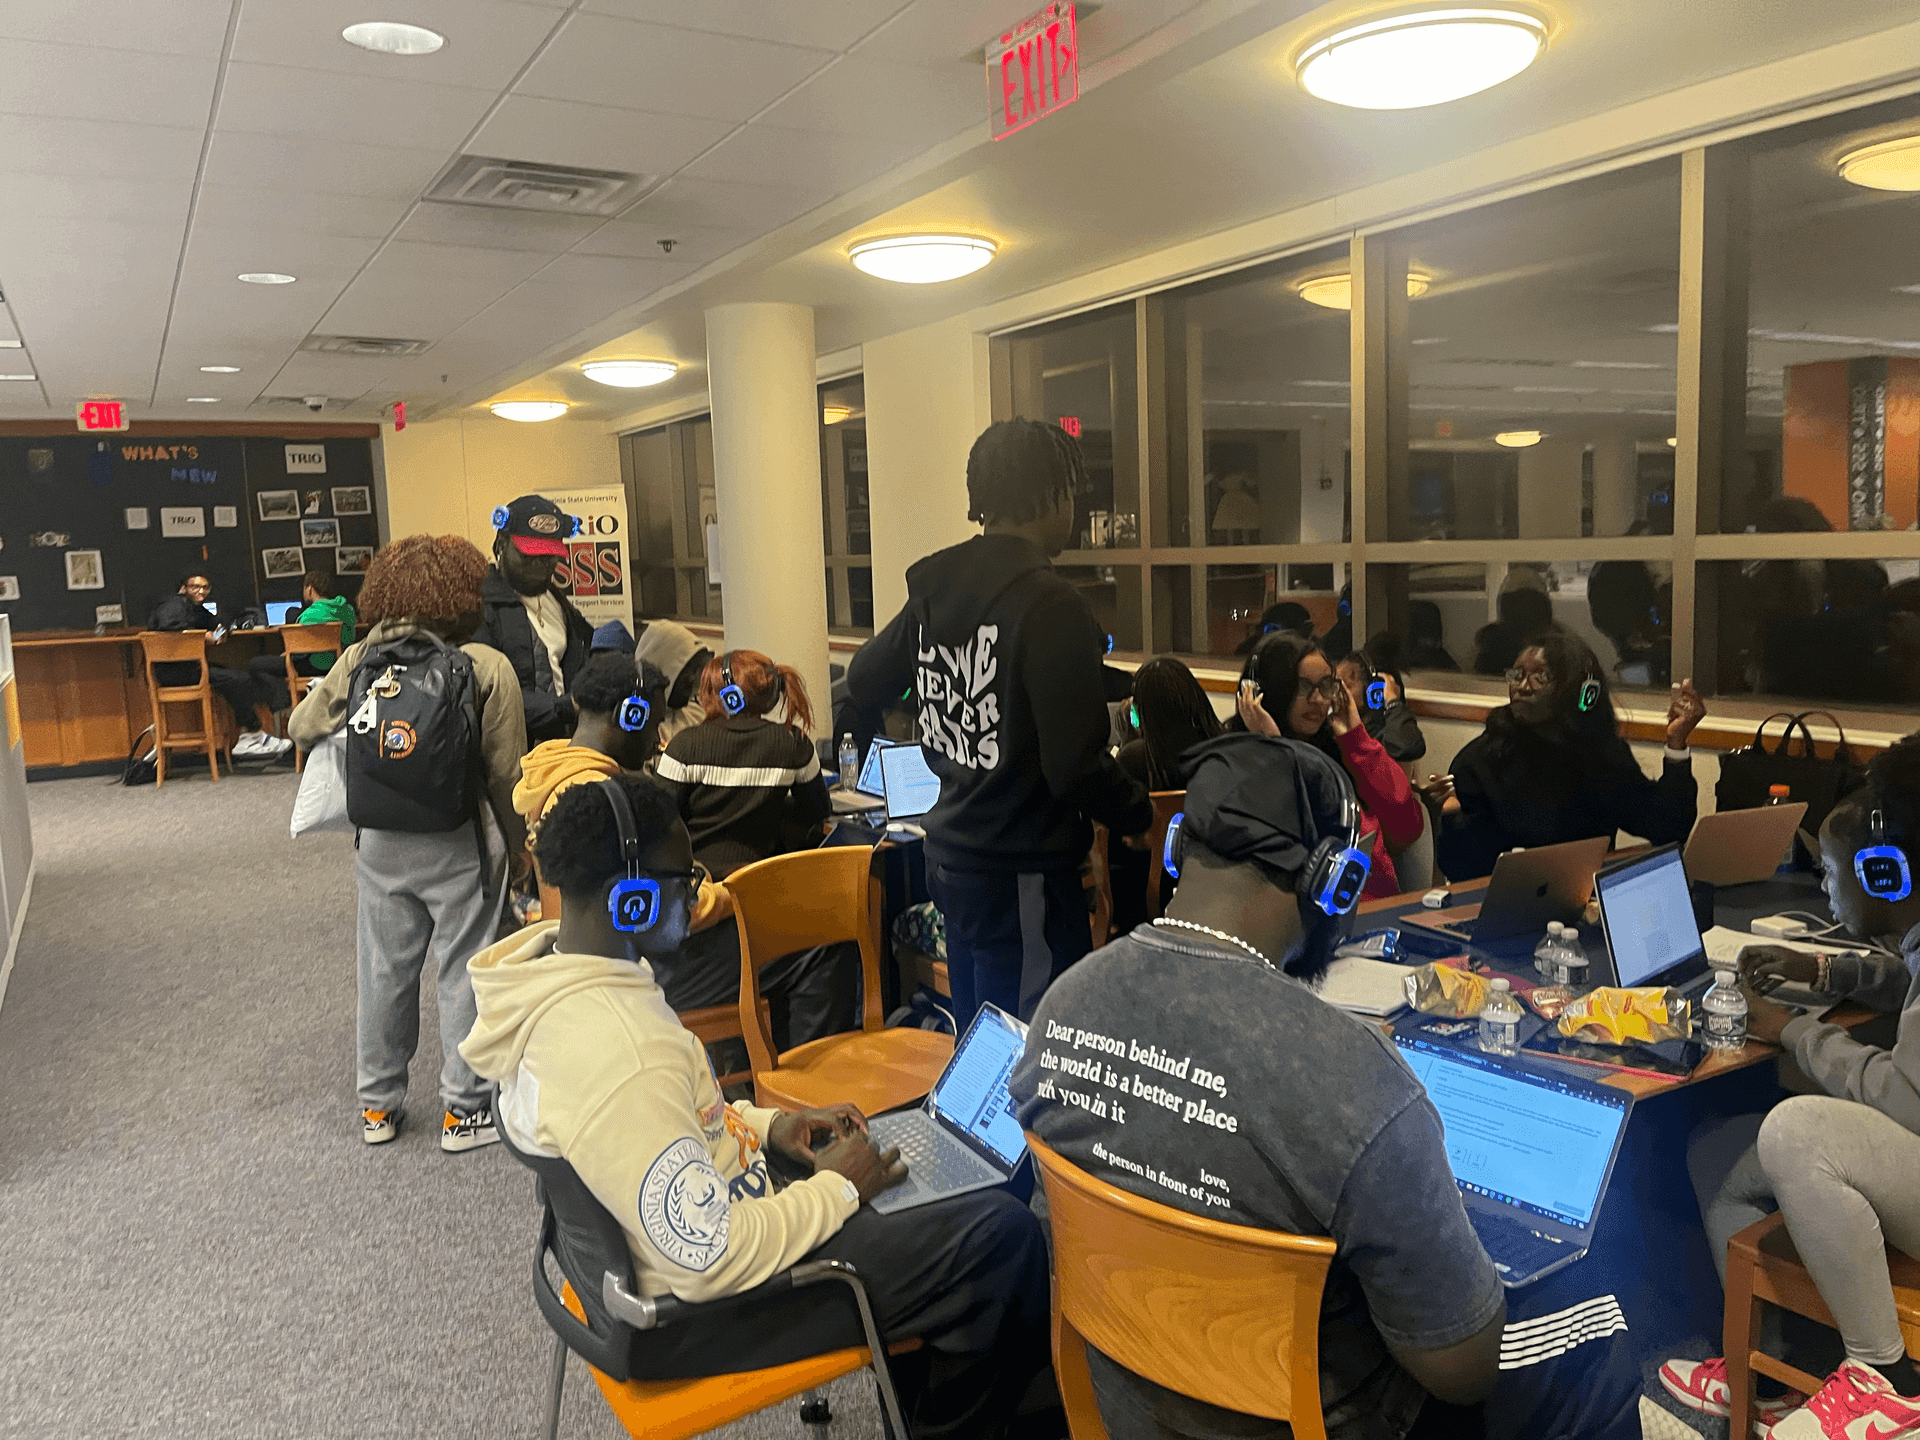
964,1136
1528,888
1531,1151
1738,847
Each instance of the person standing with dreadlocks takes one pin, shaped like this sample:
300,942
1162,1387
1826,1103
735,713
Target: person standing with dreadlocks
1004,657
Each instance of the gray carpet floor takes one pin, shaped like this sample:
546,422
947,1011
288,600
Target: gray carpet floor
194,1241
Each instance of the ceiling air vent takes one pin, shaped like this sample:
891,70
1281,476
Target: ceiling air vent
545,189
373,345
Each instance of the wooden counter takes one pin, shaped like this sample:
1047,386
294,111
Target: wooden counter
83,697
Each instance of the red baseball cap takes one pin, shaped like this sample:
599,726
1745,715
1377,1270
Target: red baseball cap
536,545
536,525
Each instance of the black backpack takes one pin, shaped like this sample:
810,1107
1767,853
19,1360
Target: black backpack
413,737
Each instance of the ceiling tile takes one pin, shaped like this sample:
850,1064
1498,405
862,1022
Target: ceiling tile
378,172
723,205
314,259
86,83
618,281
824,24
442,265
436,223
178,27
923,104
372,110
105,149
640,239
766,155
601,137
603,61
933,31
256,213
152,208
487,40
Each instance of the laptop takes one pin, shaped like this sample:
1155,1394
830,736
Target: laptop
866,794
283,612
1646,913
907,782
1528,888
964,1137
1738,847
1531,1151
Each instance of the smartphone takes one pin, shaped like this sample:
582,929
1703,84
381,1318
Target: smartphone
1251,689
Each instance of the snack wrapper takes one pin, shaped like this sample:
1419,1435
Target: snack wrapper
1548,1001
1442,989
1613,1016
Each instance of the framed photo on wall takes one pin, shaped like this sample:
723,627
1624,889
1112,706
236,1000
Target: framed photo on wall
352,500
283,562
84,570
279,504
319,534
352,559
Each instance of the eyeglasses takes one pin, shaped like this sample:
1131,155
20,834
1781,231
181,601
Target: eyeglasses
1328,688
1530,679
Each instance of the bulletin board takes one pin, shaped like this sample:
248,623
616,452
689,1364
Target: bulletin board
98,530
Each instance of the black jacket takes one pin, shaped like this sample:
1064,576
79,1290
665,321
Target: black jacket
1005,657
1397,729
506,626
1519,787
178,612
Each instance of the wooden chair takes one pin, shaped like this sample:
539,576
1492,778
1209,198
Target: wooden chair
172,646
1096,880
820,897
1227,1314
1166,804
306,640
1762,1265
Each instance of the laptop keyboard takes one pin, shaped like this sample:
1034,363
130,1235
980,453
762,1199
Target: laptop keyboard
1516,1251
934,1162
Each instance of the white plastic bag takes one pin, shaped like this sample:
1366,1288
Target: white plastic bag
322,801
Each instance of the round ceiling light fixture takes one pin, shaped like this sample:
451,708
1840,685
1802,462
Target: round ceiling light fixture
1889,165
1335,292
922,259
390,37
1428,57
219,369
529,410
629,374
265,277
1518,439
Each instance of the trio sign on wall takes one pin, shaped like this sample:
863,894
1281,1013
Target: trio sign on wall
306,459
593,573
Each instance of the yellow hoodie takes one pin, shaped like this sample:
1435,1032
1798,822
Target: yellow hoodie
594,1068
551,767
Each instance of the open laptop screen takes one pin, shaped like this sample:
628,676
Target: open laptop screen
282,612
972,1095
1649,917
1542,1144
869,781
910,786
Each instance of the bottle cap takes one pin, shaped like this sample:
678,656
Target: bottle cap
1725,977
1779,789
1500,983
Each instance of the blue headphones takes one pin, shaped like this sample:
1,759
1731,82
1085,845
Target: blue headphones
1376,688
632,713
733,699
1335,873
1881,868
634,902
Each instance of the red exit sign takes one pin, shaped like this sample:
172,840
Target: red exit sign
1033,69
1071,424
101,415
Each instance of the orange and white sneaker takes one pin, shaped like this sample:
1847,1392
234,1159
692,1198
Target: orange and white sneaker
377,1127
1702,1385
1856,1403
468,1129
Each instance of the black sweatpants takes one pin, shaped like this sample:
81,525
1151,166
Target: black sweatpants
269,672
1009,936
237,687
810,993
968,1276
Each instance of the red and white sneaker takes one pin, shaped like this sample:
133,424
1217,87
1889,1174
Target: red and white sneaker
1856,1403
1702,1385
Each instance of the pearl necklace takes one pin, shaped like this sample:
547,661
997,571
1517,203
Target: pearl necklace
1218,935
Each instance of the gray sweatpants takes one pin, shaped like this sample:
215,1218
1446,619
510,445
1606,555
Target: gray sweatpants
420,896
1844,1176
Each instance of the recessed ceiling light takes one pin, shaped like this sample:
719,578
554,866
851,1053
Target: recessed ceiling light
9,345
1518,439
834,414
389,37
1335,292
922,259
1618,365
19,377
265,277
1429,340
529,410
1427,58
629,374
203,399
1890,165
219,369
1673,442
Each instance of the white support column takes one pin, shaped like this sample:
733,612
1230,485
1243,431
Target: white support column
1550,488
1616,482
766,470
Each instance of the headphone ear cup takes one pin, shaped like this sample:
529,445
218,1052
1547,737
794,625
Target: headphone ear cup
1174,845
1589,694
634,905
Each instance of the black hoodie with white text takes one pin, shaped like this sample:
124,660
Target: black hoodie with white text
1005,659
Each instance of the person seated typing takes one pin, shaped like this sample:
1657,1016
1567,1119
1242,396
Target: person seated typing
1843,1167
620,705
323,605
594,1068
1552,766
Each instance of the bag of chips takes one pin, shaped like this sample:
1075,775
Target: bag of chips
1613,1016
1442,989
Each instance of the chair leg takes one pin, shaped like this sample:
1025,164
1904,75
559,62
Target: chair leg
1740,1330
557,1388
816,1414
213,739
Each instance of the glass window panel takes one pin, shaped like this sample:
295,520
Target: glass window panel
1113,592
860,590
1833,632
1173,609
1430,615
1538,356
843,466
1256,382
1082,375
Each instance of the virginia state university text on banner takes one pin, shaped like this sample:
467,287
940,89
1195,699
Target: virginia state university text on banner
594,572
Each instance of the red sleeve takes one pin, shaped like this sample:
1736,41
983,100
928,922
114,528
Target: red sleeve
1382,785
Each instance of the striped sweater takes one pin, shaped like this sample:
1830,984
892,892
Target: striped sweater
748,788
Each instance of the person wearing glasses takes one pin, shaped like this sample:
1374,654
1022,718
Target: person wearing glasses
1289,689
1552,766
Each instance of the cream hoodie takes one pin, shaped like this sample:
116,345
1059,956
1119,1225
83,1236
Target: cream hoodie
594,1068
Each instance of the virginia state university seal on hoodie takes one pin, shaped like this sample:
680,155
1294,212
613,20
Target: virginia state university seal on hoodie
684,1207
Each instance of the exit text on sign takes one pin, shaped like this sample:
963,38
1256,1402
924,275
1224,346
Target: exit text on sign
1033,69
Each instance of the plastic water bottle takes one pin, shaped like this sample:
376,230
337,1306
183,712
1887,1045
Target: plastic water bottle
1724,1013
1780,795
849,762
1543,952
1569,959
1500,1020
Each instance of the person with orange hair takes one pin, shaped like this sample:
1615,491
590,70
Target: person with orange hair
436,892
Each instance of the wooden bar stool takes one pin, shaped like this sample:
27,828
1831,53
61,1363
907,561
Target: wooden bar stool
306,640
1762,1265
163,647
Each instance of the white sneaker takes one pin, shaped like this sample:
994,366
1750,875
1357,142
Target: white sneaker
249,742
274,745
1856,1403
